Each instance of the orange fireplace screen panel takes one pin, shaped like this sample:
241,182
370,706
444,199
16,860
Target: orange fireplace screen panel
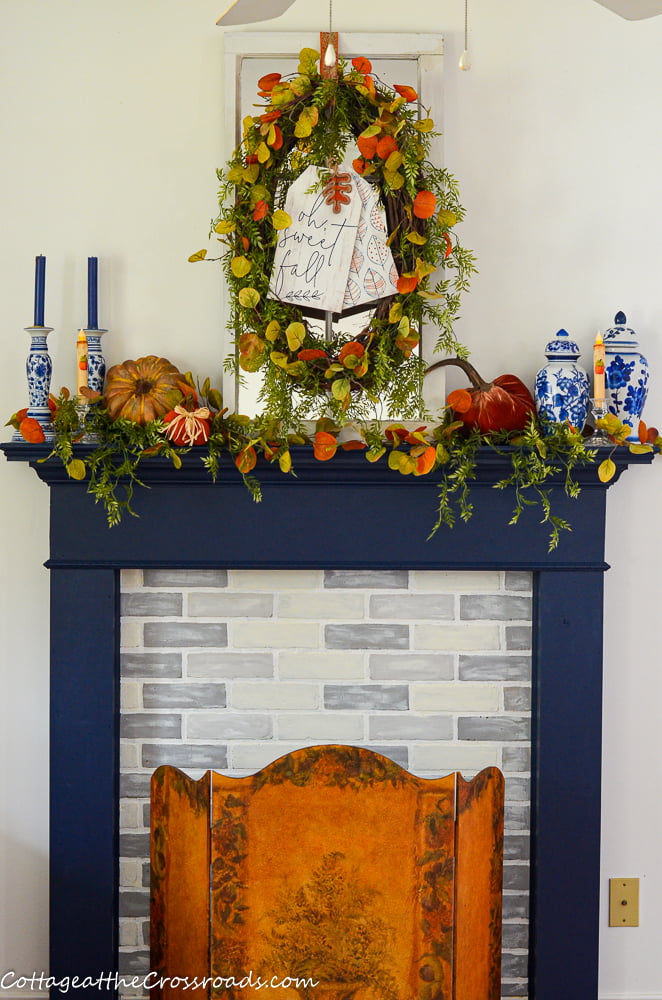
332,874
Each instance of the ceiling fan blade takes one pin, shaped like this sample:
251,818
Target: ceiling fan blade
249,11
634,10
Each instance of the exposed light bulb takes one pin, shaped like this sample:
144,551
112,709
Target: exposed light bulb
465,61
330,57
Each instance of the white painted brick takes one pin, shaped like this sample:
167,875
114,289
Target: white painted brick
131,814
274,635
276,579
250,757
342,605
131,873
131,933
455,697
440,758
131,579
129,755
327,665
454,637
332,726
274,695
456,581
130,695
131,633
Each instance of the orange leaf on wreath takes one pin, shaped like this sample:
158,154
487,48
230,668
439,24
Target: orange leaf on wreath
425,204
278,138
269,81
408,93
460,400
251,158
359,165
325,446
31,430
385,147
425,462
367,145
260,210
362,64
310,353
270,116
245,242
353,445
246,459
407,283
449,245
351,347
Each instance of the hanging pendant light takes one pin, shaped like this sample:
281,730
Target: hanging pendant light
465,61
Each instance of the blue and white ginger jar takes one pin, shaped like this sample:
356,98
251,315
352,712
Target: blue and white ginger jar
562,386
627,374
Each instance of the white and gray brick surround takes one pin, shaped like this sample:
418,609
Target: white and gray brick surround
231,669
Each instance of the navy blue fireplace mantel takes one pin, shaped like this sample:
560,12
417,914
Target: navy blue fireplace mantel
341,514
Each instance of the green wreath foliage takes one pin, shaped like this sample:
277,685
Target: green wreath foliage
308,120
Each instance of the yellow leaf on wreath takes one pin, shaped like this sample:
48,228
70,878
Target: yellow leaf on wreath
236,175
263,153
251,173
199,255
301,85
395,313
394,161
281,219
308,62
278,358
394,179
240,266
446,217
606,470
295,333
417,239
340,388
224,226
424,125
371,130
272,331
306,122
248,297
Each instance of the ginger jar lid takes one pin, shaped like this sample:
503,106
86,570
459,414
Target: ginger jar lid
620,333
562,347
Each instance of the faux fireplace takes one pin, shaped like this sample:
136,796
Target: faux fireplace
345,514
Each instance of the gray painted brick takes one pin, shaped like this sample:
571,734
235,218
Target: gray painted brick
494,607
386,579
151,605
411,666
146,817
408,727
141,726
182,578
515,936
366,636
192,755
134,903
186,695
514,991
517,816
494,667
517,580
366,697
516,758
134,786
514,966
516,877
515,906
398,754
146,932
147,874
517,699
499,727
229,726
229,605
518,789
518,637
133,963
230,665
178,634
134,845
440,607
516,846
151,664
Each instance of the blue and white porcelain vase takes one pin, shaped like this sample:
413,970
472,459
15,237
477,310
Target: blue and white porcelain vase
627,374
562,386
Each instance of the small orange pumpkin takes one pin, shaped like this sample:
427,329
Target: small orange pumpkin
143,390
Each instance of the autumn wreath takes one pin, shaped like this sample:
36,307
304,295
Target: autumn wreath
309,120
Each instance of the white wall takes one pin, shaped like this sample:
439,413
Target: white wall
111,130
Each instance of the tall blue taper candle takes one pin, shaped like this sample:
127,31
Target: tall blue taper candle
92,311
39,289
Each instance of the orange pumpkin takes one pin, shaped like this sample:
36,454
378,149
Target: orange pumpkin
142,390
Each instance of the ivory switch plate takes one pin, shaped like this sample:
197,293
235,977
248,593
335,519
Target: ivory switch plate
623,902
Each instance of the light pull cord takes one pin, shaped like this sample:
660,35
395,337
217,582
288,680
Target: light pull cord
330,56
465,61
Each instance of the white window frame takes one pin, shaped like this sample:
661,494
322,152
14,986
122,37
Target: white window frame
426,49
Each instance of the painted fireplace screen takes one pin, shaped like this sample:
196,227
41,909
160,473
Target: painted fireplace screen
332,870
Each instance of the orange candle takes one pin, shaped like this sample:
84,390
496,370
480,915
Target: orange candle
81,361
599,369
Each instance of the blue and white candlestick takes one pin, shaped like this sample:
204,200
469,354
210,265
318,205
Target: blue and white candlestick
96,363
39,369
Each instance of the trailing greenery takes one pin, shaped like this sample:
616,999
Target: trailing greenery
308,120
